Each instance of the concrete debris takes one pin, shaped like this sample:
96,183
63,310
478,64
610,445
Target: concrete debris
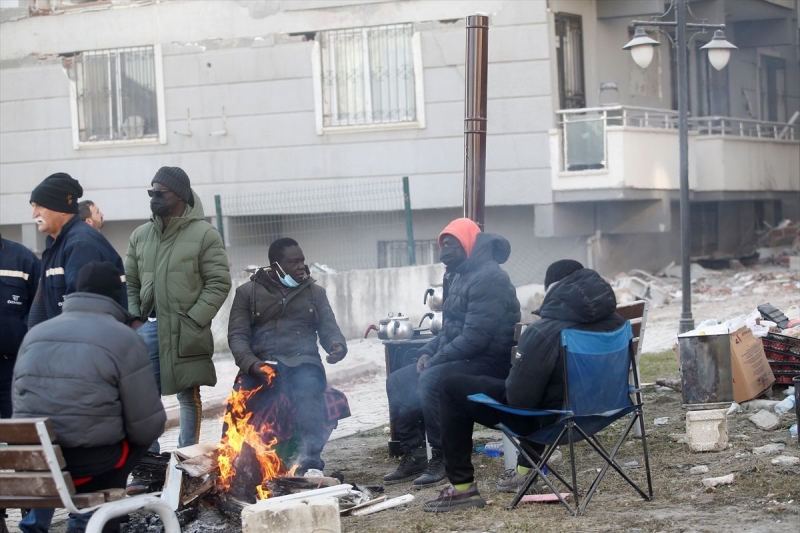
700,469
765,420
786,460
768,449
757,405
661,421
707,430
711,482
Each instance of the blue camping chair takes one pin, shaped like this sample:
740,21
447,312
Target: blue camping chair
597,393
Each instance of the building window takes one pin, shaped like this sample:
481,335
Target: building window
773,89
368,77
118,96
569,57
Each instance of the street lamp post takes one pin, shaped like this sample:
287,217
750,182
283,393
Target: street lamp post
641,47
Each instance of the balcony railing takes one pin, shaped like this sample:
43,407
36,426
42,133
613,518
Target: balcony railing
584,139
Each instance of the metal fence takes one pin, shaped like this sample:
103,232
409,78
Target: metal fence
338,227
356,227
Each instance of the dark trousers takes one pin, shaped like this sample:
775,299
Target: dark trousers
414,399
458,416
304,385
6,379
38,520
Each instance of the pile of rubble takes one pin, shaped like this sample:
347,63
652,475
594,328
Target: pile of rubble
707,285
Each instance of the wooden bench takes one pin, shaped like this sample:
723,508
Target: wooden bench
32,477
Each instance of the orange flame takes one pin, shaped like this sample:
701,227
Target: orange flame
240,432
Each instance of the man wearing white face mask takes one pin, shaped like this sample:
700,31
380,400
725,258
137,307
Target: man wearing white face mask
275,320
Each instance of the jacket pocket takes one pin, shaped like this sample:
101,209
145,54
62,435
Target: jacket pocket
193,340
14,294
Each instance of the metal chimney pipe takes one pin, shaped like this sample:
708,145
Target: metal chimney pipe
477,63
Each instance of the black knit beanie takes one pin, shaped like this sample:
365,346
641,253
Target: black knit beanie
176,180
58,192
101,278
560,270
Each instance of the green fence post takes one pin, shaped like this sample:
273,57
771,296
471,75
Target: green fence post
412,253
220,227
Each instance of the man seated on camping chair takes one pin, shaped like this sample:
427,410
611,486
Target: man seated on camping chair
577,298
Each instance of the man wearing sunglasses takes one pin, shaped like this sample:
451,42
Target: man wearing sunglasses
178,278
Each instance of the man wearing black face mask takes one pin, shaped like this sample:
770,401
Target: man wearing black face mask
479,313
178,278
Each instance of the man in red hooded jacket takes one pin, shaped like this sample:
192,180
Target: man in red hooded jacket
479,313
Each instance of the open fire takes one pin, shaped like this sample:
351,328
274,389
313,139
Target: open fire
247,456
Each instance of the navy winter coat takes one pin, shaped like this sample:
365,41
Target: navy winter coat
19,276
76,245
582,300
480,308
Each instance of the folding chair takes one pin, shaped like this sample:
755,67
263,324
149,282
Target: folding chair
597,393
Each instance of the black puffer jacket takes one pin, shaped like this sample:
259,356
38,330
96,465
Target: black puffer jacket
582,300
480,308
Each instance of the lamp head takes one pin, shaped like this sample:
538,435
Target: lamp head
641,47
719,50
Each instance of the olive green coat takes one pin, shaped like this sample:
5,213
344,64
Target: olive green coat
182,272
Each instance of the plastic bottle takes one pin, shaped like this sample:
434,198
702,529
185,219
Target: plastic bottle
785,405
494,447
793,430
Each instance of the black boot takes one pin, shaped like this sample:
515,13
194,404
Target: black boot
434,472
412,464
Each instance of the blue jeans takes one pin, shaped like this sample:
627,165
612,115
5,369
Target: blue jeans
38,521
189,400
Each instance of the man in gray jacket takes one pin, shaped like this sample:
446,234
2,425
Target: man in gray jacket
90,374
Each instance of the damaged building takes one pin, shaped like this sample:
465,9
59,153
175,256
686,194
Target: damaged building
272,96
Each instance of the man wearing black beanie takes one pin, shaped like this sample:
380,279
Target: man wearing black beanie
70,245
178,278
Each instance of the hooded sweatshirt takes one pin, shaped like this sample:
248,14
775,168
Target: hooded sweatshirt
463,229
582,300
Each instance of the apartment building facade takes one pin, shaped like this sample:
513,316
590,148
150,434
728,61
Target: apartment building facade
274,95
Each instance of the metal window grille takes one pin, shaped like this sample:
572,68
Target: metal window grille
116,93
368,76
569,55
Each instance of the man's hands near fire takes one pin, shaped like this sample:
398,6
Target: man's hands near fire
422,362
264,371
337,353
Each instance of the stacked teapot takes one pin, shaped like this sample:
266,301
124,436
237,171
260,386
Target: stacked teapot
434,299
393,327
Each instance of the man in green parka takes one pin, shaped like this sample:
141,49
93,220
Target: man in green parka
178,277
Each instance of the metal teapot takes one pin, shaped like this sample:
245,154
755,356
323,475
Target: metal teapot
400,328
383,326
434,297
435,325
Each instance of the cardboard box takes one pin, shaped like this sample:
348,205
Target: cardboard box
752,374
723,367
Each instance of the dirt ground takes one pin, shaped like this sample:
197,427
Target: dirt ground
763,497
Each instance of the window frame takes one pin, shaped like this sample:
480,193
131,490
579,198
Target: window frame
419,92
77,144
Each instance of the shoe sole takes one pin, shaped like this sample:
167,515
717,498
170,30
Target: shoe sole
418,486
454,507
403,479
